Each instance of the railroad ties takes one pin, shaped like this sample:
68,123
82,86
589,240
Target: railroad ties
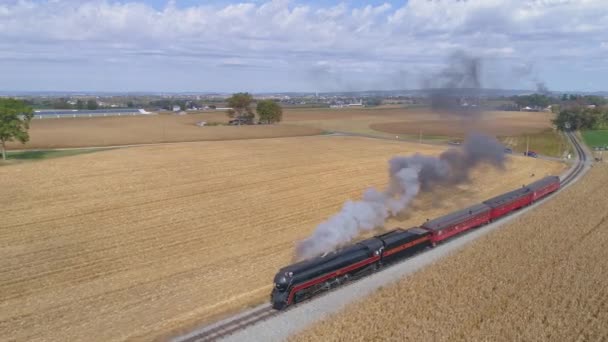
215,332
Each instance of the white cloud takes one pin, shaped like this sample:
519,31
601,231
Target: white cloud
291,38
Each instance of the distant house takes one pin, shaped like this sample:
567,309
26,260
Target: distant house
177,108
533,109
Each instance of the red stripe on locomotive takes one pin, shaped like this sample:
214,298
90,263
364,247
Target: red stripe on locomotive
343,270
405,246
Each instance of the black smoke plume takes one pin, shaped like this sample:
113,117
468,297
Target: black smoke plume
455,90
542,88
457,95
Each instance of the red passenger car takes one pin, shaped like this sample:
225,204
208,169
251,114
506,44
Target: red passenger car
449,225
543,187
503,204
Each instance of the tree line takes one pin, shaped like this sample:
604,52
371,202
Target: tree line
572,111
575,118
542,101
63,103
183,104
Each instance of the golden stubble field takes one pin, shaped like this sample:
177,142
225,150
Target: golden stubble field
495,123
139,243
410,122
540,278
406,123
126,130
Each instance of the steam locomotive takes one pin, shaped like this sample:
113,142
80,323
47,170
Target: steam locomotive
300,281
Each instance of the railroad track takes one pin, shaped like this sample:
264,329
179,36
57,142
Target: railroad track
224,328
251,317
582,159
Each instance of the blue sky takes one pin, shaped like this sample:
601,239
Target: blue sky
160,4
282,45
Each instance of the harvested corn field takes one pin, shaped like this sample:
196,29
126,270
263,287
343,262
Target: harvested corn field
138,243
541,277
497,123
109,131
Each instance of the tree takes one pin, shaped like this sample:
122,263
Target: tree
595,100
79,104
269,111
579,118
373,101
92,104
534,101
241,106
15,117
164,104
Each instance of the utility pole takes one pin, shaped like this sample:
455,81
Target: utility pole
420,136
527,144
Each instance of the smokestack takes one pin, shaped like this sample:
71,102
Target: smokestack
408,177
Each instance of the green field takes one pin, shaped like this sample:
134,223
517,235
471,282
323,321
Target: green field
47,154
596,137
548,142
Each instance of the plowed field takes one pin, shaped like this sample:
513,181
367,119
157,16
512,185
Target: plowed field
135,243
540,278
